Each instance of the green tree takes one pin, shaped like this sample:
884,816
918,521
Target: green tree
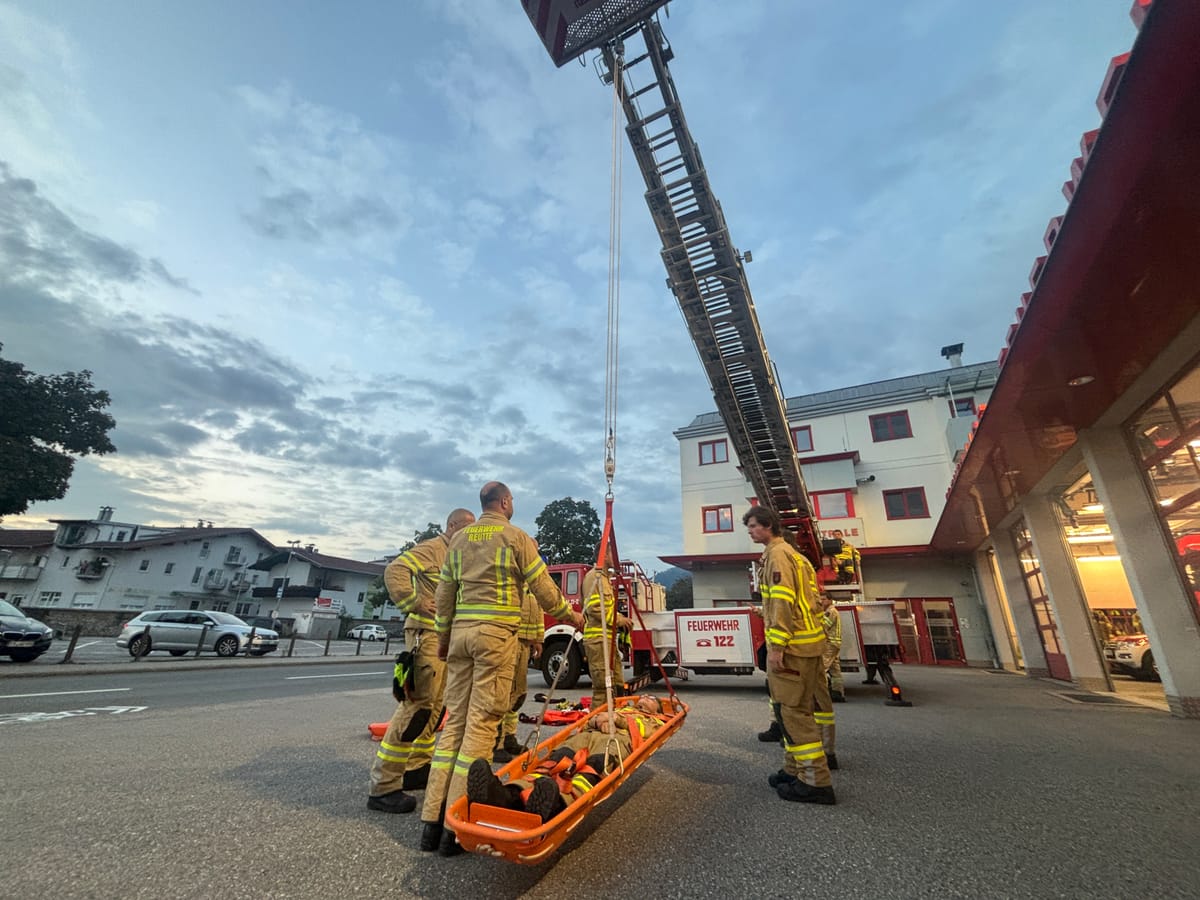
679,595
568,531
432,530
45,421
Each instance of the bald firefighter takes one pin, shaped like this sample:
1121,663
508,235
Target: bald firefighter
530,634
402,761
600,617
488,567
795,643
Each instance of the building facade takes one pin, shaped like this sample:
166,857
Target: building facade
877,460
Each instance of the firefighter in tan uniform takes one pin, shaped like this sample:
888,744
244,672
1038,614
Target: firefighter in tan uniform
402,761
488,567
832,623
600,616
530,634
795,643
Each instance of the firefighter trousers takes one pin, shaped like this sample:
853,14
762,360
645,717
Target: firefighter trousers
823,713
793,693
508,724
833,667
479,672
594,650
408,742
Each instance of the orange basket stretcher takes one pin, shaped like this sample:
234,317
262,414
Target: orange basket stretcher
522,837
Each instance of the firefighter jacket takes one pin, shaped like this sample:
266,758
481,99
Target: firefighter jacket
847,562
489,565
599,606
412,579
789,591
831,622
532,629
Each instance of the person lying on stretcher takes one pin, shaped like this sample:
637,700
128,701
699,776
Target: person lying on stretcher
574,767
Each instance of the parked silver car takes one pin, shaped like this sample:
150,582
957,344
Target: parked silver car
178,631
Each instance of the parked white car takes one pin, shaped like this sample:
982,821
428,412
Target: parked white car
368,633
1130,654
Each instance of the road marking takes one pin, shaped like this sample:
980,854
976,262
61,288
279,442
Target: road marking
345,675
64,693
27,718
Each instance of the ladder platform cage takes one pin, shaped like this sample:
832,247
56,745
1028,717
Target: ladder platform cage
570,28
522,837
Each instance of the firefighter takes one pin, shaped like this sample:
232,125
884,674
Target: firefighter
847,561
488,567
795,644
529,649
600,614
832,623
402,761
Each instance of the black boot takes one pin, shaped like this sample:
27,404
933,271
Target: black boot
780,777
416,779
772,735
512,745
831,761
545,800
431,836
450,845
393,802
484,787
837,696
799,792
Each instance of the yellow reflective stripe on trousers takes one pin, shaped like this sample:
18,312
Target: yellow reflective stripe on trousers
823,718
442,759
804,751
462,764
397,753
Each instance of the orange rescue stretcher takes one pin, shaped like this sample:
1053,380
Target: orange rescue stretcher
522,837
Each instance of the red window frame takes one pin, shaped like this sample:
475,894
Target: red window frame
906,495
796,432
705,510
958,413
724,446
890,420
816,498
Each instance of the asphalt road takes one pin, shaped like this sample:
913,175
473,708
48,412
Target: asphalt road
251,782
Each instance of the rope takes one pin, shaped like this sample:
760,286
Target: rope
614,277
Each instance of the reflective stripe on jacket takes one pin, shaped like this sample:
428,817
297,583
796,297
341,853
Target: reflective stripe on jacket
832,623
489,566
532,629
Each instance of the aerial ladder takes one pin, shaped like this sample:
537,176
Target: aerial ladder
705,271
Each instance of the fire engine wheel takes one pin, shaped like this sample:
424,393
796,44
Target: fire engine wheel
560,653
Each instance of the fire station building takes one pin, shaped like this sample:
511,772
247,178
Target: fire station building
1063,540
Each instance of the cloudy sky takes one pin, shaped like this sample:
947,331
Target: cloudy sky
339,264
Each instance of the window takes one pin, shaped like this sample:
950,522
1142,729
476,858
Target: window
717,519
144,565
49,598
962,406
712,452
66,561
17,599
242,609
204,548
196,574
133,603
572,583
120,535
84,601
906,503
890,426
220,605
802,439
170,567
833,504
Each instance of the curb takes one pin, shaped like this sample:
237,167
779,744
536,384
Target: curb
51,670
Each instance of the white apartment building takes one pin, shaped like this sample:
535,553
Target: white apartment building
877,460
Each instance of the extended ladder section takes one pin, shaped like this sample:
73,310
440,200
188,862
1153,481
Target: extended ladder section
706,274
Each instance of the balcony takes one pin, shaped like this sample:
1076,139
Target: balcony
20,573
214,580
234,557
92,570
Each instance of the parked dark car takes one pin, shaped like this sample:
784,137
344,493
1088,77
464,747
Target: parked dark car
178,631
22,639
